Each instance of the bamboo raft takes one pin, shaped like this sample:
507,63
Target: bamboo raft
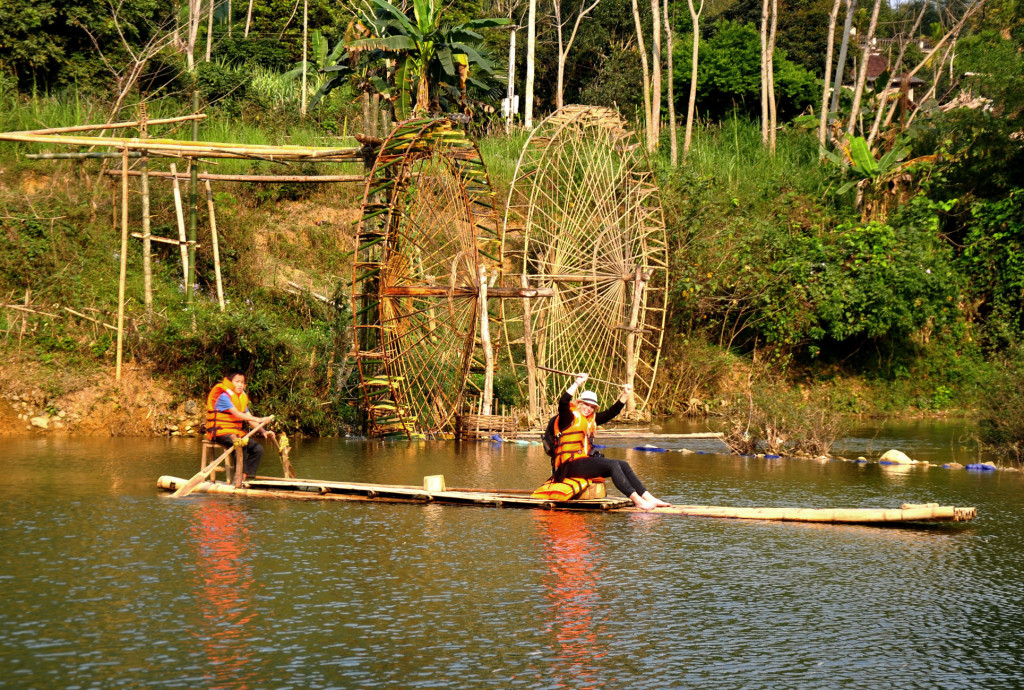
311,489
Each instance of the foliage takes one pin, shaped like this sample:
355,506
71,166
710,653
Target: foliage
729,74
1001,417
434,61
771,419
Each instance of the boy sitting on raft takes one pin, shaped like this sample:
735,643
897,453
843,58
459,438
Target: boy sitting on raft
574,442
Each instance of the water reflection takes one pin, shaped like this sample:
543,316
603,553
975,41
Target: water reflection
220,533
570,583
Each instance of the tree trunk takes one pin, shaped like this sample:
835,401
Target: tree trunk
764,71
531,49
823,124
209,32
837,86
770,76
646,74
897,66
673,135
194,11
695,19
248,20
656,72
231,18
511,80
560,79
862,77
305,54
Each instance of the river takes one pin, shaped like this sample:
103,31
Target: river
107,582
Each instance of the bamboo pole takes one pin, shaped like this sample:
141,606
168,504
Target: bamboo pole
163,240
639,284
216,246
147,247
485,343
531,362
192,483
209,32
83,155
124,265
569,373
179,148
193,204
113,125
179,214
305,53
214,177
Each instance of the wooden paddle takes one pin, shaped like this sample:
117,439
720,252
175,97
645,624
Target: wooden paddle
195,481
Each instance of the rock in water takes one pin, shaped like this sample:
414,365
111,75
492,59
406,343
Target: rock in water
896,457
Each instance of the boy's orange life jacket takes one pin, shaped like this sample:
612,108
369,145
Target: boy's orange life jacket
222,423
575,442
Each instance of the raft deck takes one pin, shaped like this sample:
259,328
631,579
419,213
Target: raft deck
311,489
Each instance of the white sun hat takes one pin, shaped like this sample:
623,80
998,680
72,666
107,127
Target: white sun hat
589,397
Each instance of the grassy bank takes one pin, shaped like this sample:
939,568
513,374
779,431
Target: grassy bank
760,246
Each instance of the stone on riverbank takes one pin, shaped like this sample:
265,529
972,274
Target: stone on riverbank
896,457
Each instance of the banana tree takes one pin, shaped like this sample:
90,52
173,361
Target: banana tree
881,182
427,59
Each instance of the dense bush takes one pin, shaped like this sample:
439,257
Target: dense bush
1001,419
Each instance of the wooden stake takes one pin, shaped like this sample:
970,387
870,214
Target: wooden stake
124,264
216,247
181,223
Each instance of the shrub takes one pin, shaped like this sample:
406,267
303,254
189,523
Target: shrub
1001,414
781,422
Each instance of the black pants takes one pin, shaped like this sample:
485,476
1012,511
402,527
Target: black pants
622,474
252,453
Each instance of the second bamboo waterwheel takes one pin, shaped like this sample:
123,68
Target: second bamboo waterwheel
427,220
584,219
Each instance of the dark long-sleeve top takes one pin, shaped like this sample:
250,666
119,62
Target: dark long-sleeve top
602,417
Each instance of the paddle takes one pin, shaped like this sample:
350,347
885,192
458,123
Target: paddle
203,474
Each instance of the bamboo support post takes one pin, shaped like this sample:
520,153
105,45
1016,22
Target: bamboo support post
214,243
124,265
639,283
179,214
147,247
215,177
533,398
485,343
193,202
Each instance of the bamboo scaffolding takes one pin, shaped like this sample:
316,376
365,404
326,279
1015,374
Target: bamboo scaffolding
200,149
115,125
213,177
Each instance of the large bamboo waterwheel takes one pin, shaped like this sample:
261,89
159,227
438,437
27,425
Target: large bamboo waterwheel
427,216
584,218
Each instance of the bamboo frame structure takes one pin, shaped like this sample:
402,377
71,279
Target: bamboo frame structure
584,219
144,147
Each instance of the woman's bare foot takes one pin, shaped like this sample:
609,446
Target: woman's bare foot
640,502
655,501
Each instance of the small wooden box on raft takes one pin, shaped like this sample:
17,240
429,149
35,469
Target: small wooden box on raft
479,427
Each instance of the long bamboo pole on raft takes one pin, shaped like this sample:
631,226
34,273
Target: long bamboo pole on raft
124,263
180,214
216,246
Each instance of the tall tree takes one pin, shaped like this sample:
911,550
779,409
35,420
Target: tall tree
531,67
655,73
773,119
837,85
862,77
652,142
823,115
564,46
691,102
673,137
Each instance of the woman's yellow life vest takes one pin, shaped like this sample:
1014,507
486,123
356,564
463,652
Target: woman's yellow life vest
574,443
222,423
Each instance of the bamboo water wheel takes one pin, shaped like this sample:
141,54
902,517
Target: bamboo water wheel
584,219
428,223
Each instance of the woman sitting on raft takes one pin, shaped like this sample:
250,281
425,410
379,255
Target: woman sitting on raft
574,453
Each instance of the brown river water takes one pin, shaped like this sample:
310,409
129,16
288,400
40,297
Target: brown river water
106,582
